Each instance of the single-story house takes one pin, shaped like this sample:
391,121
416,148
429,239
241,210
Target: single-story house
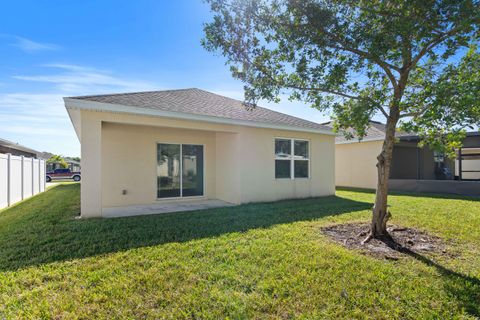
72,164
413,168
16,149
177,146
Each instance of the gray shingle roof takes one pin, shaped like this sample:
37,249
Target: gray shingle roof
15,146
376,131
200,102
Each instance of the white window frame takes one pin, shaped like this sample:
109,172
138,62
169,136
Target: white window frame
181,171
292,157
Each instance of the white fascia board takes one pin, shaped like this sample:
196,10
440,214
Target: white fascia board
71,103
359,141
76,124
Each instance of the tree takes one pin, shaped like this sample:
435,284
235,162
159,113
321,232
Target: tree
57,159
415,62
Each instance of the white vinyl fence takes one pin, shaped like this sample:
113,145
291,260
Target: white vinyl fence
20,178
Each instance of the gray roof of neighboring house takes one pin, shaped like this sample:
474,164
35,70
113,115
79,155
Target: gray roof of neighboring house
16,146
47,155
376,131
70,160
199,102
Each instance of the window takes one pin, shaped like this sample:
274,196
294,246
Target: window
291,158
179,170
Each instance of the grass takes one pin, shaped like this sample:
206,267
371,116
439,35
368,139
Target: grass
264,260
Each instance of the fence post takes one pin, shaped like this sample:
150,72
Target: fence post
22,175
44,175
39,176
33,180
9,179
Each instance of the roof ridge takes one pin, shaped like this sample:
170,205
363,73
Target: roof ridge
128,93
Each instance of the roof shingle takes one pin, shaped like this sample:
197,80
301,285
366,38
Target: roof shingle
376,131
200,102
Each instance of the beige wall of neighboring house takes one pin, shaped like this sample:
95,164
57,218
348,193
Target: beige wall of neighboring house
119,152
470,166
413,168
355,164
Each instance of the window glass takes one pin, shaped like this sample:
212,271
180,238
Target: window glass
438,156
284,158
282,169
168,170
283,148
301,168
192,170
300,149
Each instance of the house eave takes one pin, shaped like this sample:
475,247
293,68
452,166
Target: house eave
72,103
360,141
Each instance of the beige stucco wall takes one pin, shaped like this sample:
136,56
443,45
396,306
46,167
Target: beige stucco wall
119,153
355,164
91,153
258,181
129,161
228,163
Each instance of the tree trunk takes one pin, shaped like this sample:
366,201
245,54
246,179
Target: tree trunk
378,228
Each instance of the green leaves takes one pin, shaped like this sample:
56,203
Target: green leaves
448,103
59,160
357,59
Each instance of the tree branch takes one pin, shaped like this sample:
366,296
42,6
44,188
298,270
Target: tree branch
345,95
382,110
319,89
415,113
431,44
382,64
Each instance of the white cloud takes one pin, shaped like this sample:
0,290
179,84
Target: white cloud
40,121
30,46
74,79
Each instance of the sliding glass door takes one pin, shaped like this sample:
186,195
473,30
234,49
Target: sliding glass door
168,170
179,170
192,170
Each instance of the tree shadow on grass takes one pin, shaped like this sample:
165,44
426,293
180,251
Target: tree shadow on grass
414,194
44,229
464,288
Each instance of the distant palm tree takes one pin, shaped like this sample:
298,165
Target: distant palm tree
57,159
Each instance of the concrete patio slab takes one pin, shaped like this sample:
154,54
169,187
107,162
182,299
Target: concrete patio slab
159,208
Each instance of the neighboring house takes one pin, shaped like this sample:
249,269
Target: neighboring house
355,161
411,162
16,149
154,147
73,165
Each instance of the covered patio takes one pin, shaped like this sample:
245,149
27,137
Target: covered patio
159,208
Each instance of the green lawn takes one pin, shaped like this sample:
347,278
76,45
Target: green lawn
252,261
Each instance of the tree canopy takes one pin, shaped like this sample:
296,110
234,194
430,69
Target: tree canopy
414,61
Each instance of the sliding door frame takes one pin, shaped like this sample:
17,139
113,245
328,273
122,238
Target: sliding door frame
181,171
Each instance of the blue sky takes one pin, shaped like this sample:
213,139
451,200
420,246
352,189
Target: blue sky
51,49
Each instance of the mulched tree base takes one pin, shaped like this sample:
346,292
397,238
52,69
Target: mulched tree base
403,241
